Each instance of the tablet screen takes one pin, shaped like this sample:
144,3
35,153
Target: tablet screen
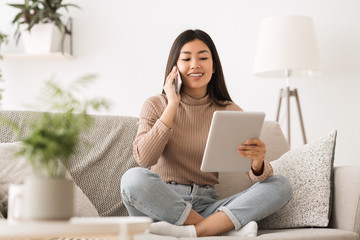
228,130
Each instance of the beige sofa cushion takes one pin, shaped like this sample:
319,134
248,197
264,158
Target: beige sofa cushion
347,193
288,234
308,233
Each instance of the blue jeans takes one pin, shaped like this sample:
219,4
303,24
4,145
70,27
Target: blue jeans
145,194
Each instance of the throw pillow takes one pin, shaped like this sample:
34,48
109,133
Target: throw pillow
14,170
310,171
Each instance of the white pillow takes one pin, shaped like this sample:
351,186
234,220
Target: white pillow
14,170
310,171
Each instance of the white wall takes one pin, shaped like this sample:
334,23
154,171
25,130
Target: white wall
127,44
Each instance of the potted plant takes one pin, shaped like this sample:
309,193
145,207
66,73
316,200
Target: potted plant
51,141
40,24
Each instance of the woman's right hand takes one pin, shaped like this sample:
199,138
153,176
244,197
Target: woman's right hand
172,97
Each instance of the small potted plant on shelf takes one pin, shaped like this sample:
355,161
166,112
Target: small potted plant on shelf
51,141
40,25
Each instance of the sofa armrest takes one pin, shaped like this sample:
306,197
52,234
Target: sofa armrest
346,208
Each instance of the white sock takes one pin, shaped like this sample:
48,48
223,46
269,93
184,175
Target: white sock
249,230
167,229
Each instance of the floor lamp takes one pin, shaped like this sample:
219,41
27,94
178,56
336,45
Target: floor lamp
287,48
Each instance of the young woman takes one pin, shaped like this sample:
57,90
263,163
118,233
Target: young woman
171,138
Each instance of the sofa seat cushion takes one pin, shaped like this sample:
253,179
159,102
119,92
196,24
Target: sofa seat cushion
284,234
308,233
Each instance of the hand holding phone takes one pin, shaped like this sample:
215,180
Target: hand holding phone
177,83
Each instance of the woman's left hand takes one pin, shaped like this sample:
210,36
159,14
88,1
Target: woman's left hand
254,149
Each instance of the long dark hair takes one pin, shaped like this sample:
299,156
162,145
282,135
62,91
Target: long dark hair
216,88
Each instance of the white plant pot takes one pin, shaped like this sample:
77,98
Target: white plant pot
43,38
48,199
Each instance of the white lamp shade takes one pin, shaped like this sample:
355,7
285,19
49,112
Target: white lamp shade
287,45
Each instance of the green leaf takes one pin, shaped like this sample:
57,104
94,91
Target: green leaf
17,17
34,20
35,5
66,6
20,6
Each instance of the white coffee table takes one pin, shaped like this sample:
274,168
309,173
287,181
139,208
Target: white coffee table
123,228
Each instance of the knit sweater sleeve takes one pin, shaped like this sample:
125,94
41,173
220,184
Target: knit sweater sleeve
267,172
152,135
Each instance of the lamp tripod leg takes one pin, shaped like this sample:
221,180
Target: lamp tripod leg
300,115
279,105
288,113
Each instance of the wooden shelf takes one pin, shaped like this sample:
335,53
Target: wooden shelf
49,56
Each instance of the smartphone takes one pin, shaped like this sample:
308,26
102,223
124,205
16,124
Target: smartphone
177,82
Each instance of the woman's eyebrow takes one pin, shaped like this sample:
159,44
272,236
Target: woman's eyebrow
202,51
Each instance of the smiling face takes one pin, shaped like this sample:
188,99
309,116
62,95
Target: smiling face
195,65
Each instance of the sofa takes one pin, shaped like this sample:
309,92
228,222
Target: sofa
97,171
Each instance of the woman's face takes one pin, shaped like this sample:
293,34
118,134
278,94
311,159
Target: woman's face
195,65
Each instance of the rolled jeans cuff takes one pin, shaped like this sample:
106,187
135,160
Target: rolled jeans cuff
184,215
232,217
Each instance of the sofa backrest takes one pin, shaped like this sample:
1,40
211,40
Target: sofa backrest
97,169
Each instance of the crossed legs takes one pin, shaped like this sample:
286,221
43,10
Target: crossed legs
213,225
145,194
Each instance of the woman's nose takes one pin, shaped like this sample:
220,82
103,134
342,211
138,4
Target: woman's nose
195,64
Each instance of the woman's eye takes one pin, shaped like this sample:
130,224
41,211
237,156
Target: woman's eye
186,59
205,58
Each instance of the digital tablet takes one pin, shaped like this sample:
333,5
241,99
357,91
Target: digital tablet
228,130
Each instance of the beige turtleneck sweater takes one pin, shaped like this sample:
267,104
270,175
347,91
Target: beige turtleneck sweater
176,153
